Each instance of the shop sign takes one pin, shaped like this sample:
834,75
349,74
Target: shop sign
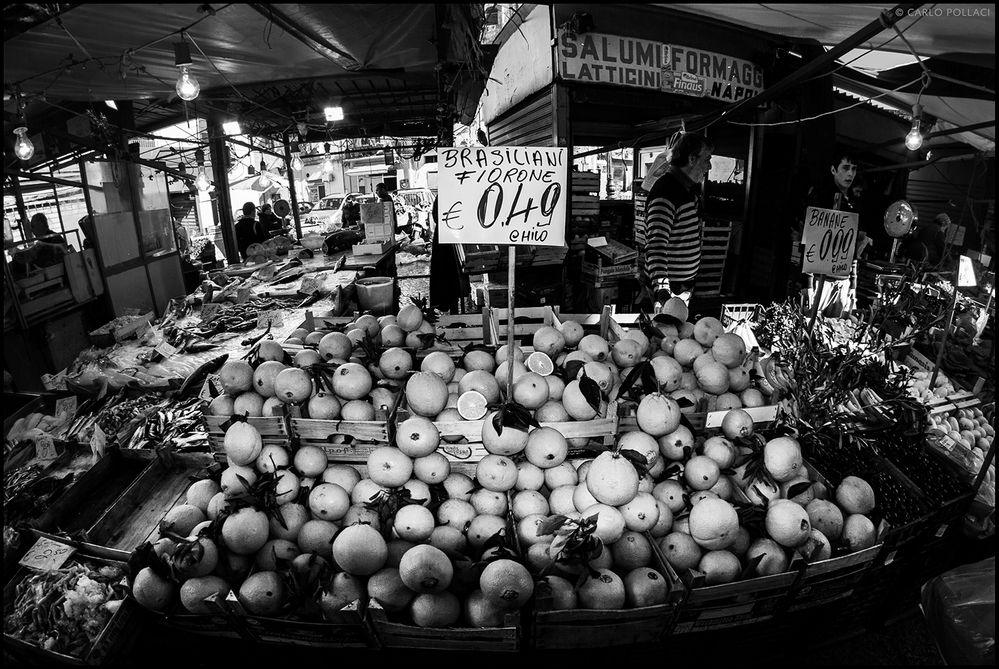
502,195
829,239
626,61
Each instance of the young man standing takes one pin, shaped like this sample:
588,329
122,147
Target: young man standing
672,254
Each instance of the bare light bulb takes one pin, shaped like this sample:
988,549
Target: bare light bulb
23,147
202,182
327,166
914,139
187,86
297,164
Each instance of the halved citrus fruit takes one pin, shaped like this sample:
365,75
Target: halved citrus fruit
472,405
540,363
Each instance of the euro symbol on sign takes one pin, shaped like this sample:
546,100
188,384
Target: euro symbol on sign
452,213
810,254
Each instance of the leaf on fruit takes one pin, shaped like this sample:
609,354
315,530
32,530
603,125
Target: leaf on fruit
591,392
572,369
798,488
550,524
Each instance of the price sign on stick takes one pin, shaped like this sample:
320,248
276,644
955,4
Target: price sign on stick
47,555
502,195
45,449
830,240
273,318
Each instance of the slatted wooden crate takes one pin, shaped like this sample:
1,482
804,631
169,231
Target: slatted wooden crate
346,629
604,628
346,440
273,430
399,635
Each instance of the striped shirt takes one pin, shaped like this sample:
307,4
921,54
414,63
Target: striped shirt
673,232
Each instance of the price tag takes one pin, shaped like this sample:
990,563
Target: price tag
273,318
947,443
65,409
98,442
830,240
166,350
47,555
209,309
45,449
309,285
242,295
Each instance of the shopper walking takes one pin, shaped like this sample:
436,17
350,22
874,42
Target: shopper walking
246,229
672,254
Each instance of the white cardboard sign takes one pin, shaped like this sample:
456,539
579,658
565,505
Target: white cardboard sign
830,239
502,195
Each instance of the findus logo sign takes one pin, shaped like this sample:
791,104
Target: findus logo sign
625,61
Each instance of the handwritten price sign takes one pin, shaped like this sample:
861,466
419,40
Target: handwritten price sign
47,555
830,240
502,195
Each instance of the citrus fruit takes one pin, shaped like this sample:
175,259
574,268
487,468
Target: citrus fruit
409,318
483,382
328,501
719,566
194,591
551,411
236,480
152,590
825,517
435,609
352,381
293,385
343,475
287,521
245,531
388,466
432,469
668,372
707,330
701,472
264,376
393,336
323,406
200,493
263,593
508,442
576,405
359,410
729,349
612,479
713,524
417,436
236,377
546,447
774,560
482,528
439,363
414,523
605,590
563,474
386,587
626,352
686,351
395,363
859,532
713,378
310,461
426,569
787,523
360,550
855,495
751,397
497,473
548,340
267,557
645,586
676,308
737,423
477,359
316,536
242,443
271,458
658,415
782,458
223,405
506,583
426,394
539,363
641,513
610,522
673,446
471,405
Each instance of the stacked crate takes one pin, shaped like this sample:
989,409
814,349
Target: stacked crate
714,251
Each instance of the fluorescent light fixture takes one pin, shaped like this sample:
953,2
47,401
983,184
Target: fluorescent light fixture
333,114
111,103
232,128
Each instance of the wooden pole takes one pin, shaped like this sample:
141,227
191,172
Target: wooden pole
510,325
894,250
815,307
943,342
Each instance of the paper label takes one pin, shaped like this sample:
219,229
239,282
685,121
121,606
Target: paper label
47,555
830,240
309,285
65,409
273,318
45,449
166,350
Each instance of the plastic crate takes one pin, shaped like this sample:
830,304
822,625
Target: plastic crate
733,313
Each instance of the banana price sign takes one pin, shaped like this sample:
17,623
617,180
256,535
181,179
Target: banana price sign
502,195
830,241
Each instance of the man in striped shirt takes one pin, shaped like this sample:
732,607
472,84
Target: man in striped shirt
672,253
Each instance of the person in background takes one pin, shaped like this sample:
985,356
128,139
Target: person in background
934,238
672,254
382,191
268,224
50,247
448,284
834,192
246,229
183,239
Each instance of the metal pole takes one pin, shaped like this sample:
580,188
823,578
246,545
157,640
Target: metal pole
291,186
219,153
510,325
943,342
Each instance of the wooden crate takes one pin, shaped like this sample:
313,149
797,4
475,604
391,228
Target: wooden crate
399,635
109,646
603,628
733,313
348,628
714,252
273,430
346,440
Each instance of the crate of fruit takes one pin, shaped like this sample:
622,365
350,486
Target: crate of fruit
332,623
64,606
272,429
360,426
395,633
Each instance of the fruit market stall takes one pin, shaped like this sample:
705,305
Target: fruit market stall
354,481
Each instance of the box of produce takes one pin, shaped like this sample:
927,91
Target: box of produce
75,611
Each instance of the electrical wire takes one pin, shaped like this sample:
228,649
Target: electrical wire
828,113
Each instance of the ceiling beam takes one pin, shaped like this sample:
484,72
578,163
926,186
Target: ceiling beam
307,36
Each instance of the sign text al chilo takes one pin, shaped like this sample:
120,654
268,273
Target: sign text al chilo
626,61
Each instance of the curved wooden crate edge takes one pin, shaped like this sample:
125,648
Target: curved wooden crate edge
391,634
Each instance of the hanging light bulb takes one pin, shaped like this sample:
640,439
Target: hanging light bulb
327,166
187,86
914,139
23,147
297,164
264,181
202,183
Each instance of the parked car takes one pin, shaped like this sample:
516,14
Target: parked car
327,215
